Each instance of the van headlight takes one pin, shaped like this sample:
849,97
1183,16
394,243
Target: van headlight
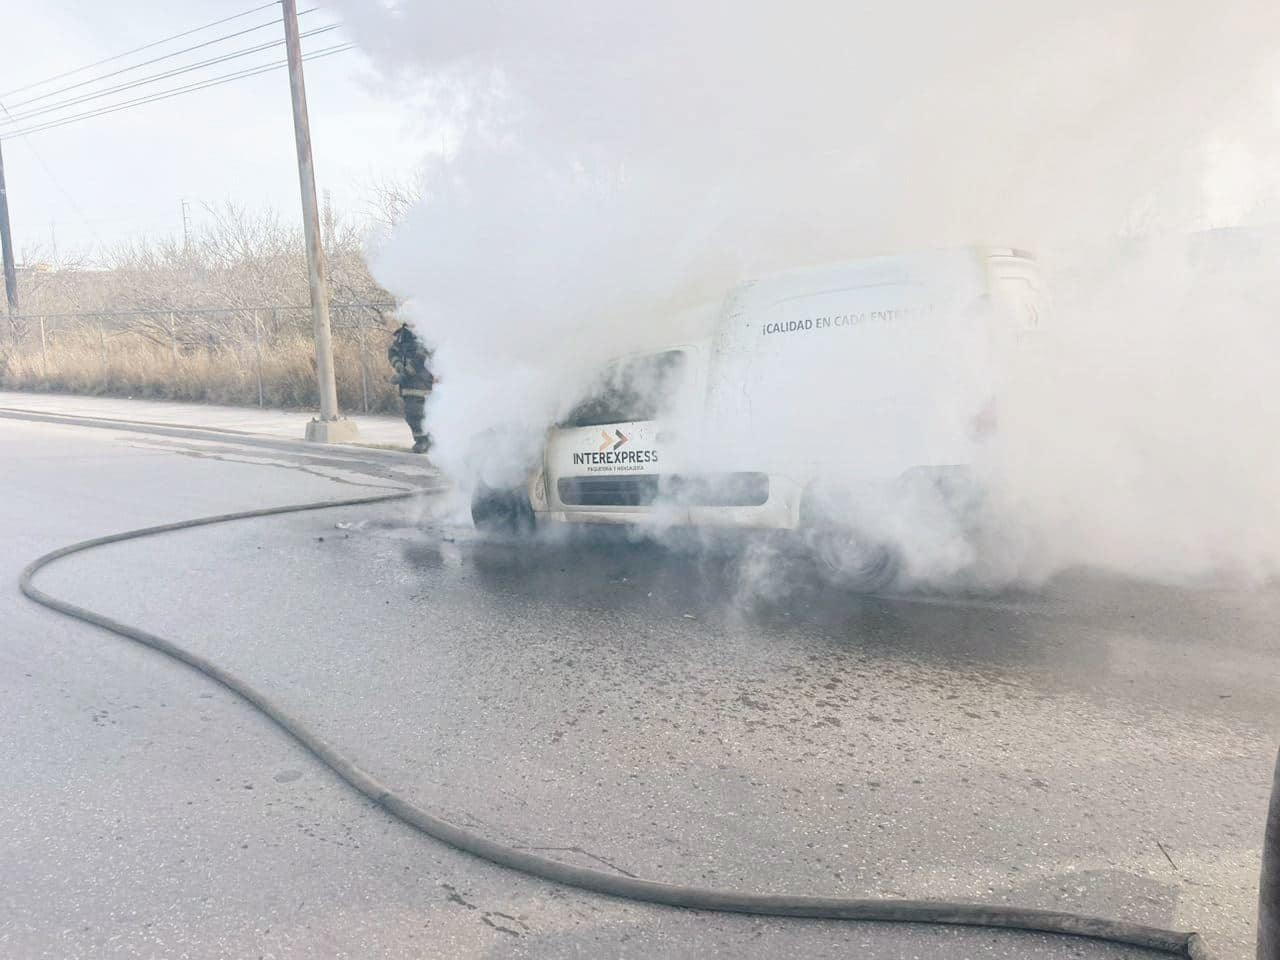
538,489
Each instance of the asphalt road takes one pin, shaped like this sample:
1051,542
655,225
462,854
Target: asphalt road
711,718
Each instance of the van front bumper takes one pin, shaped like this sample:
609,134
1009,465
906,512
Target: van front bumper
774,505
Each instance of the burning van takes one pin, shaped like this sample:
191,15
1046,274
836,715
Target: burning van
814,395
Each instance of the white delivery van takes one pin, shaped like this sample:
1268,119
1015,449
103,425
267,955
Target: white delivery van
833,381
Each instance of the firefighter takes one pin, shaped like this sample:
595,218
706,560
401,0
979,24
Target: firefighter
412,363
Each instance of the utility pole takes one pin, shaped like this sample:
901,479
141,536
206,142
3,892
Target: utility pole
328,427
186,228
6,243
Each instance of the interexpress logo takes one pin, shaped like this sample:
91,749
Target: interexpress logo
609,453
612,442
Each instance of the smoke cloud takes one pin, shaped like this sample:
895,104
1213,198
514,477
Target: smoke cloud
606,165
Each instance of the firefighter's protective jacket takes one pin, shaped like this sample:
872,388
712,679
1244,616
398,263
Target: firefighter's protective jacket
411,361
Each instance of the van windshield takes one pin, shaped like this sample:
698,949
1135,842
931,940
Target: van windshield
636,389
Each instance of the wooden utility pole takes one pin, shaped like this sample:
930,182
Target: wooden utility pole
328,427
6,243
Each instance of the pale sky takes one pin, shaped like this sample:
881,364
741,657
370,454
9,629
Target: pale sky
123,175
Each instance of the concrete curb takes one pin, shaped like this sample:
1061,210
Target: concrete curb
355,451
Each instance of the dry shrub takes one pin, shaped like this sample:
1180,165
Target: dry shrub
124,364
203,320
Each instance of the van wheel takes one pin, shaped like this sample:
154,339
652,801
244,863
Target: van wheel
845,557
504,512
847,560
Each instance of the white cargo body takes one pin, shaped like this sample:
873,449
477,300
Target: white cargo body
867,372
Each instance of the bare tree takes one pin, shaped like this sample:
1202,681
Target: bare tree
389,198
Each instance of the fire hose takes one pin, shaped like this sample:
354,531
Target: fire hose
1173,942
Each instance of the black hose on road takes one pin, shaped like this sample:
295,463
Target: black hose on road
1172,942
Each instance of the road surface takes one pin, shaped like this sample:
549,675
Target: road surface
1101,745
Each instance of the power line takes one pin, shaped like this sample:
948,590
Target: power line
147,63
127,53
177,91
10,118
177,71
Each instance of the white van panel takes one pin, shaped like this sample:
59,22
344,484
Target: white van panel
869,371
869,378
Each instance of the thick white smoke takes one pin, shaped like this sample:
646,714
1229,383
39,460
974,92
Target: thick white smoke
610,163
1144,436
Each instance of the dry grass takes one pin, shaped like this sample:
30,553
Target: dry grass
221,318
125,364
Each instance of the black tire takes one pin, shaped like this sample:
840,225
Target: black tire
503,512
845,557
846,560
